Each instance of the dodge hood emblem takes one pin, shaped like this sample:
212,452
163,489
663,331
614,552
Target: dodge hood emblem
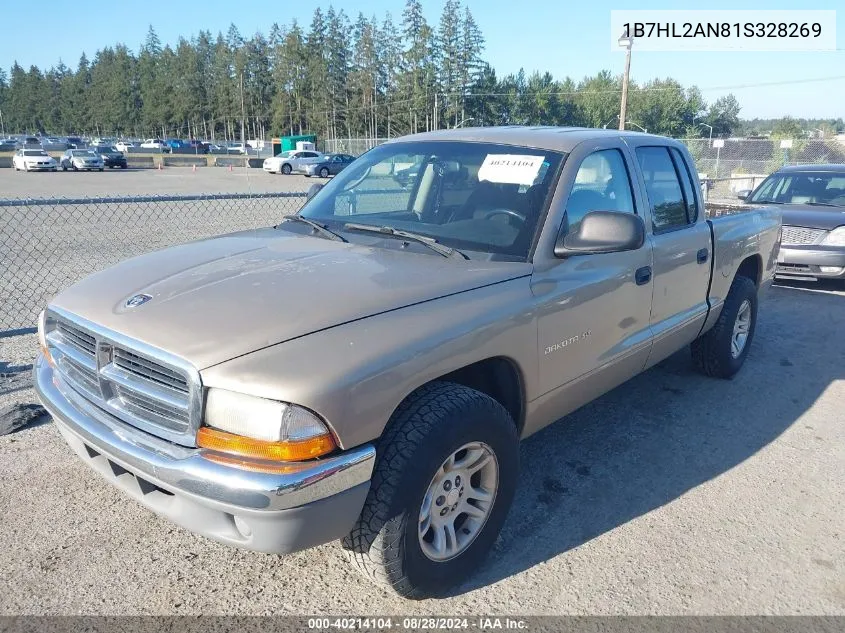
136,300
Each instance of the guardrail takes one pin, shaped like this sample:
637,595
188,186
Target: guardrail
47,244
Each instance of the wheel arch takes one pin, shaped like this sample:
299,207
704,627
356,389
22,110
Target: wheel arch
497,376
752,268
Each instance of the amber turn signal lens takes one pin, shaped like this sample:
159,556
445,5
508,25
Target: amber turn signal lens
241,446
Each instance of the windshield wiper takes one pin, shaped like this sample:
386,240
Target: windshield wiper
429,242
821,204
318,228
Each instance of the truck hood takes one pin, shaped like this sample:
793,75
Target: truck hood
220,298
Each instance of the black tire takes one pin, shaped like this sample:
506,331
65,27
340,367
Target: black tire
124,166
102,168
431,424
64,167
324,172
75,168
286,169
711,352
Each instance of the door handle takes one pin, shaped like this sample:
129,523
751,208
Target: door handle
643,275
702,255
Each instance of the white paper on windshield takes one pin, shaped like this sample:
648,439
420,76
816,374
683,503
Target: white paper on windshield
511,169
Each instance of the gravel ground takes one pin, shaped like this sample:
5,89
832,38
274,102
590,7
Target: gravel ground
673,494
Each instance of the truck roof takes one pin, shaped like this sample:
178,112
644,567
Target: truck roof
561,139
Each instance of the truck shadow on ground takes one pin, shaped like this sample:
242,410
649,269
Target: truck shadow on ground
665,432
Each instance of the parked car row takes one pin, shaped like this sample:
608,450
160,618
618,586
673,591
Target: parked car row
95,159
307,162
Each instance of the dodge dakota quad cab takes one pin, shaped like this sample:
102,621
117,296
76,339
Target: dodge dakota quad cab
365,370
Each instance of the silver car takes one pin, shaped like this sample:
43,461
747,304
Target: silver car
812,200
82,159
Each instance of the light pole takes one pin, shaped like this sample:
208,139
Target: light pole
627,40
710,138
615,116
645,130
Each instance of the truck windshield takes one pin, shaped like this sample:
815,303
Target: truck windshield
480,197
803,187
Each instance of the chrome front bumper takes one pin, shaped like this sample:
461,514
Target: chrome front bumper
803,262
307,504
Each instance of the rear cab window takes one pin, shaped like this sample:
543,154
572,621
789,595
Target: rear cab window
668,188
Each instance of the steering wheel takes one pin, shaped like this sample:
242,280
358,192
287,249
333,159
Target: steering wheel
508,212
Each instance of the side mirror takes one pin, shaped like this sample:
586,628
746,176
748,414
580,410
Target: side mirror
743,194
602,232
312,191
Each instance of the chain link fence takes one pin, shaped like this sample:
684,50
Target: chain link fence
729,166
49,244
354,146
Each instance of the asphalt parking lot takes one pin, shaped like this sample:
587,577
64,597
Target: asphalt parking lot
673,494
141,182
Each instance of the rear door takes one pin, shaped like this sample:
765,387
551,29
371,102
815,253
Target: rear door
682,249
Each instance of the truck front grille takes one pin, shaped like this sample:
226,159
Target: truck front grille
143,387
801,236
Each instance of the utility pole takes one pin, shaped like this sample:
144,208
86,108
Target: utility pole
627,40
435,112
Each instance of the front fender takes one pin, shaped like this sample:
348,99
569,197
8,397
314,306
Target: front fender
355,375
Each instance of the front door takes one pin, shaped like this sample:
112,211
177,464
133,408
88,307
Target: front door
594,317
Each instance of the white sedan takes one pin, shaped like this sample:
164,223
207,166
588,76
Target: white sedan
34,160
286,162
124,146
153,143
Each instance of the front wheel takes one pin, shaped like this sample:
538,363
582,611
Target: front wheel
102,168
286,169
441,489
324,173
722,350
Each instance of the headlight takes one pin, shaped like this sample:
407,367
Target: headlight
835,238
260,428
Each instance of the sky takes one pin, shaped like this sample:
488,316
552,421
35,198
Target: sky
562,37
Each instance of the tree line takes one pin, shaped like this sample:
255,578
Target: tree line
339,77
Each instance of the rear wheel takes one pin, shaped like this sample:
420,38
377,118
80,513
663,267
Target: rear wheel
443,482
324,172
102,169
722,350
286,169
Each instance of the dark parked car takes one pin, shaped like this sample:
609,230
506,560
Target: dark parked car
331,165
111,156
74,142
200,147
812,200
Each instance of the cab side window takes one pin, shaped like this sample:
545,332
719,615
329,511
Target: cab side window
601,184
672,204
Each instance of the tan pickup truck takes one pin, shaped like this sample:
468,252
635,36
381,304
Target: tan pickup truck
365,370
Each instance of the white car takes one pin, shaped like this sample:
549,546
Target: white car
153,143
123,146
33,160
286,162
